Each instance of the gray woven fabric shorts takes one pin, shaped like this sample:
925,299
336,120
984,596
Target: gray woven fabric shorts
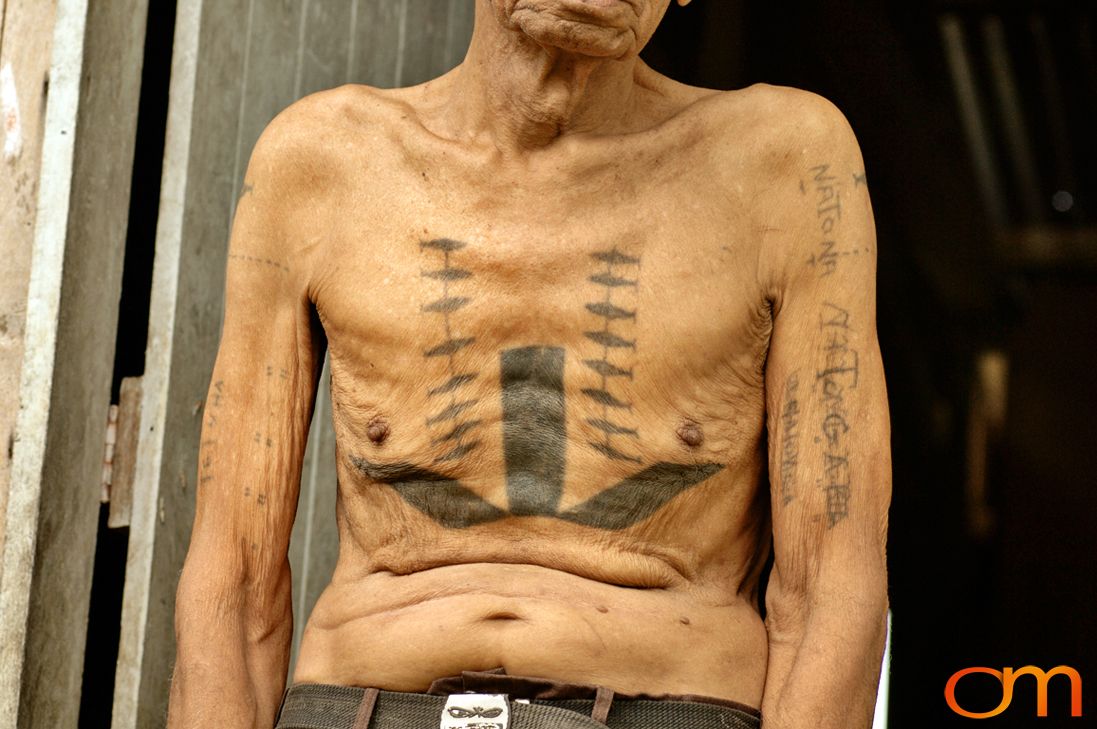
551,705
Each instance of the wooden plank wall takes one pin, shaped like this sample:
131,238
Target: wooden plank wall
72,311
236,63
26,34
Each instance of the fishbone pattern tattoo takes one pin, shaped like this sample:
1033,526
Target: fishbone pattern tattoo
449,419
611,279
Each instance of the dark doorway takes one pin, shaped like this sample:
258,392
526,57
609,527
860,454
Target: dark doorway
971,266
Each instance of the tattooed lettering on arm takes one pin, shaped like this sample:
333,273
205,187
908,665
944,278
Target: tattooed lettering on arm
452,429
282,372
617,275
790,439
261,260
839,374
245,190
209,444
828,215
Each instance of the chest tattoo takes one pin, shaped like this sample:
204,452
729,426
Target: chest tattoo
448,421
618,275
535,455
533,413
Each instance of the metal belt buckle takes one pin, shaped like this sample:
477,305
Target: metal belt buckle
476,711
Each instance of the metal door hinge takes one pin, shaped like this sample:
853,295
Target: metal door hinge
120,452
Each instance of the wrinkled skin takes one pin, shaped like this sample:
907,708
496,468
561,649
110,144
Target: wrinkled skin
575,313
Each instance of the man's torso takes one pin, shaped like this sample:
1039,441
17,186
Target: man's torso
548,400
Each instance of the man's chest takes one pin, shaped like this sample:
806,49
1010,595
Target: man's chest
631,245
587,269
503,330
640,287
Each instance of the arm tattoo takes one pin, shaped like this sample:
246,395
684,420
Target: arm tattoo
827,195
790,439
534,424
448,422
259,260
209,443
615,277
838,375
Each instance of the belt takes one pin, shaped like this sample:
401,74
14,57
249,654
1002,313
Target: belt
320,706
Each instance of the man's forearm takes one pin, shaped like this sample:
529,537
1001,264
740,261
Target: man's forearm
231,660
824,664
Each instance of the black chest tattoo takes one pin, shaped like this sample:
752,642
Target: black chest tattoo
533,415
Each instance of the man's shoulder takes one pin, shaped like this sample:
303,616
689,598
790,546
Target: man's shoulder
309,139
781,120
769,139
301,164
785,102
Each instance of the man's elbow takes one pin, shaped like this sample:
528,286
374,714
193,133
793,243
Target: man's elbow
228,600
851,600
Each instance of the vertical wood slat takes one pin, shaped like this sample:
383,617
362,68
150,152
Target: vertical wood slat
26,32
203,108
458,31
226,86
376,48
325,46
75,281
424,48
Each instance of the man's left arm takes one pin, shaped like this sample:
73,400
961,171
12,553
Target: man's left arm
830,466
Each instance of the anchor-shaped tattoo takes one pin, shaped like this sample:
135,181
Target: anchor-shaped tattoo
534,450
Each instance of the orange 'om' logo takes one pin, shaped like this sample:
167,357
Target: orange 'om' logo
1007,676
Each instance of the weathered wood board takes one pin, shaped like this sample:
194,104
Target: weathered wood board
68,355
26,34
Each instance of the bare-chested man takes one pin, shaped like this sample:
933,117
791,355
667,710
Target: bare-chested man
575,313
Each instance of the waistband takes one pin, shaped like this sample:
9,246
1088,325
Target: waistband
551,705
498,681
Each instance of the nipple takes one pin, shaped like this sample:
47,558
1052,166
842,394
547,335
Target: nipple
377,430
690,433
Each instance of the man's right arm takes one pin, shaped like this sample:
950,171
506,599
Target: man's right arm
233,615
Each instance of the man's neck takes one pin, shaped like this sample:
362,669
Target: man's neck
523,96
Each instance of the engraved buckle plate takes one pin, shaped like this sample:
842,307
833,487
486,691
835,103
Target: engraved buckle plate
476,711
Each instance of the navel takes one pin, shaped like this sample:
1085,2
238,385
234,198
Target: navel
377,430
690,433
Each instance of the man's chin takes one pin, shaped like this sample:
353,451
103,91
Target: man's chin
592,29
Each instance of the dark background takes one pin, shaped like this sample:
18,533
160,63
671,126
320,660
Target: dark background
974,260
